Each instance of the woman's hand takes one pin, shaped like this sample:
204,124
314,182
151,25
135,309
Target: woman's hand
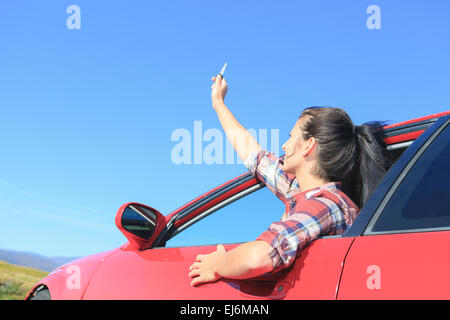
205,268
218,89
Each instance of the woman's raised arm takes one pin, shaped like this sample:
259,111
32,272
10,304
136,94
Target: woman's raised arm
242,141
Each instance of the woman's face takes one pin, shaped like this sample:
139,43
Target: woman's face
292,149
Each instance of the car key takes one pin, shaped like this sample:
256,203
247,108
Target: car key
222,71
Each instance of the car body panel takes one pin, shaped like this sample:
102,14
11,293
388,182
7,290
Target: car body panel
162,273
316,273
69,282
408,266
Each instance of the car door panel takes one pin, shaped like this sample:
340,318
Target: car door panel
316,273
397,266
162,273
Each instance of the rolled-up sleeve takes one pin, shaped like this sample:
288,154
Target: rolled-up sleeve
288,238
265,166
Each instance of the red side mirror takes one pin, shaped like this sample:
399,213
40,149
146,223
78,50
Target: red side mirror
140,224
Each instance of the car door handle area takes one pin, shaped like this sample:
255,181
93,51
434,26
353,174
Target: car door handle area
267,286
264,289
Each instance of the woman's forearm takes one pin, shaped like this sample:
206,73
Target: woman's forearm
242,141
246,261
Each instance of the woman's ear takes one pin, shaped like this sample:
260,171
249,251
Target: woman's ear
309,146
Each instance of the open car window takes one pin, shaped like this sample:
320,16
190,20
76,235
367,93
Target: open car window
251,214
248,217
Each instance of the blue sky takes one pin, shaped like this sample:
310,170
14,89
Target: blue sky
87,115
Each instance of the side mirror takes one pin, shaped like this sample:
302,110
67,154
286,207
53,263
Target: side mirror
140,224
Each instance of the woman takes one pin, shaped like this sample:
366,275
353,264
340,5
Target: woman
328,172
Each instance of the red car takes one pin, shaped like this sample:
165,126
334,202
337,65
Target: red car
395,249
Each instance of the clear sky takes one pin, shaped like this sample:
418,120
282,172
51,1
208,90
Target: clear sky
87,114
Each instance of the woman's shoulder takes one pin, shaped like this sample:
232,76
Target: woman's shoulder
331,199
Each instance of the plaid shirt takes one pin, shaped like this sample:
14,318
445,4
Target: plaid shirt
320,211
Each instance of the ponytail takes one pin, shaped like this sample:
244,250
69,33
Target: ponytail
373,160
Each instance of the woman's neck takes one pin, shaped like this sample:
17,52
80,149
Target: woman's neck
308,181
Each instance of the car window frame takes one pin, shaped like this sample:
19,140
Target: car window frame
171,230
217,207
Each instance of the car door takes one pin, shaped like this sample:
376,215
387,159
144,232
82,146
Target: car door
403,250
162,273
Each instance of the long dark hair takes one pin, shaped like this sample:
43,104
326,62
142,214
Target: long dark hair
354,155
